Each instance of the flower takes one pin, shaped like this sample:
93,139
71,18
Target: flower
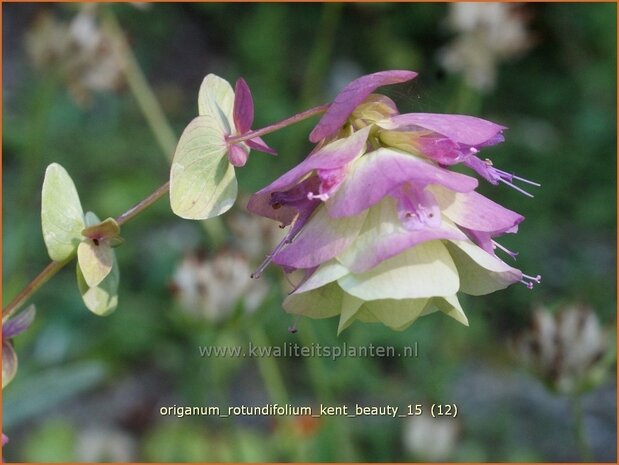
430,439
202,177
212,289
80,51
11,328
380,228
487,34
568,350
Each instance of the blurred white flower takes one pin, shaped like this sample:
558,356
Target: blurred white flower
212,288
79,51
565,349
105,445
486,34
430,439
254,235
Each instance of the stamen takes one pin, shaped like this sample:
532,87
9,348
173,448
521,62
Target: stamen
532,279
295,228
311,196
269,258
494,175
513,186
513,176
293,329
505,249
536,184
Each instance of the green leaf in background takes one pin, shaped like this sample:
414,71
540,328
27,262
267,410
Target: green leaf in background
54,441
177,441
202,180
33,394
101,299
62,217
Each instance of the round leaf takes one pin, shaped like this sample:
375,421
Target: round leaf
216,99
62,217
202,181
103,298
96,260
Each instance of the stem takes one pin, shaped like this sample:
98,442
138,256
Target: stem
144,204
579,429
50,270
167,141
279,125
151,109
271,375
321,52
321,384
143,93
54,267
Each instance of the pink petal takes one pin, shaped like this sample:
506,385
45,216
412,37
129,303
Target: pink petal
380,172
237,155
258,144
19,323
383,236
243,107
473,211
297,201
464,129
332,156
351,96
483,239
320,240
388,246
417,207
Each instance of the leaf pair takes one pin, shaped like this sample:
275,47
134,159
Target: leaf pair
67,232
202,179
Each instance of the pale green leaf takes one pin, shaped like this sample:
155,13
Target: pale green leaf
323,302
381,222
62,217
202,181
95,260
480,272
319,296
451,307
90,219
216,99
350,306
425,270
102,299
326,273
396,314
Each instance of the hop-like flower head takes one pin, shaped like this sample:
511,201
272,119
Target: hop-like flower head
380,227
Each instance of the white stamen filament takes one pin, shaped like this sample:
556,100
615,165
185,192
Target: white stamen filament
505,249
522,191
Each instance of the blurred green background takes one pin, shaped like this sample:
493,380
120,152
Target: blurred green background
90,388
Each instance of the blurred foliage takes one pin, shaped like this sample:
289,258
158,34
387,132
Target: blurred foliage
558,101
